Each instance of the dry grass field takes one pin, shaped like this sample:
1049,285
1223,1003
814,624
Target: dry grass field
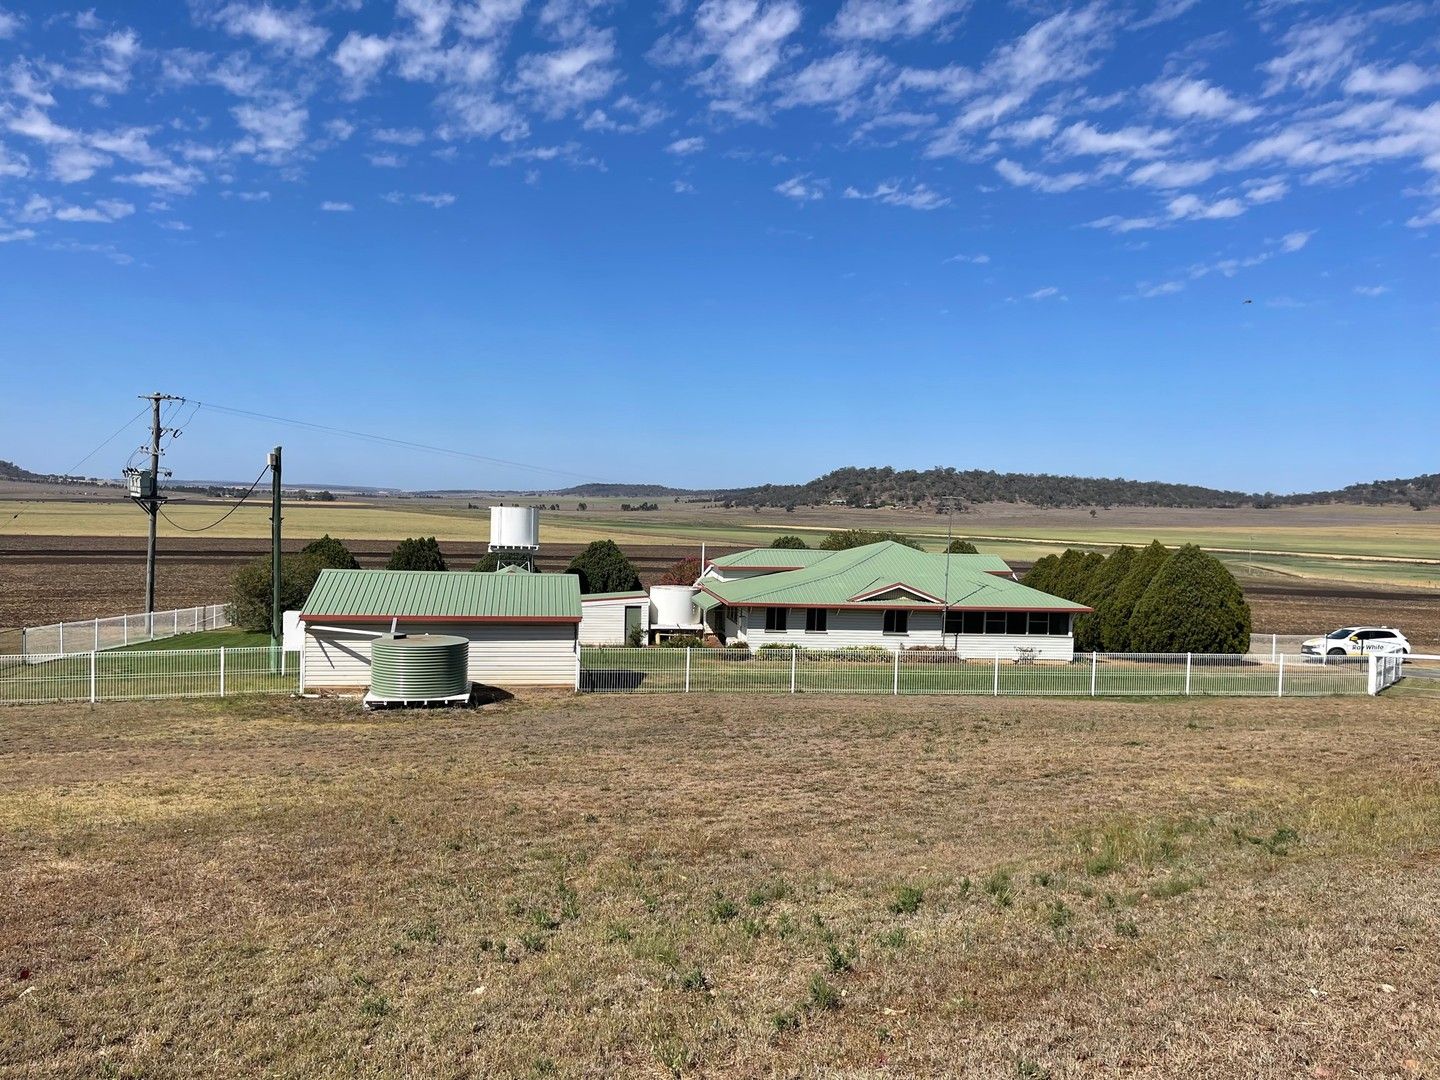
562,886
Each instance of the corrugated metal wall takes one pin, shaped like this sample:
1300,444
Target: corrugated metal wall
602,622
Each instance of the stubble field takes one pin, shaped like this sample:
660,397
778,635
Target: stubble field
568,886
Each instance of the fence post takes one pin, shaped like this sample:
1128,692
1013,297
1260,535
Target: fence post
1094,667
23,632
92,676
222,670
62,639
1274,645
896,688
1280,678
997,674
97,634
687,669
1372,682
794,653
125,629
175,623
1187,674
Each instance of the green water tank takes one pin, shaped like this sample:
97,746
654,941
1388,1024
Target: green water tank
419,667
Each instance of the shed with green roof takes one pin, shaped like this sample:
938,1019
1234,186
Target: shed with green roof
523,629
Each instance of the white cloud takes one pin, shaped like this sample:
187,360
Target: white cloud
1400,80
1371,290
71,164
1164,288
1316,52
481,115
880,20
488,18
1173,174
640,116
892,193
336,207
436,201
569,77
399,136
1425,220
1264,191
1294,241
282,30
835,80
386,161
276,130
745,38
1196,99
1028,131
175,179
682,187
1049,292
339,129
34,124
104,211
801,188
691,145
1141,142
9,24
13,236
360,57
25,84
1119,224
14,165
1193,208
977,260
174,226
1053,184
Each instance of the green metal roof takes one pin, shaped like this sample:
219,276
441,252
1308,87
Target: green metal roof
636,594
376,595
797,558
887,575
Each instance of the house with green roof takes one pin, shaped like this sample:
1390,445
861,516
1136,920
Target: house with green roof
523,628
883,594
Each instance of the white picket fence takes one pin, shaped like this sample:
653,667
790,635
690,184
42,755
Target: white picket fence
117,631
795,670
159,673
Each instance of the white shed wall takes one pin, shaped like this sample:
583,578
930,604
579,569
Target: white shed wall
501,654
602,622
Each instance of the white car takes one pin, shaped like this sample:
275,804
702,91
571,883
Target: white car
1357,641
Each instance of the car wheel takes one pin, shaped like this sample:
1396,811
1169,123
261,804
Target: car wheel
1336,652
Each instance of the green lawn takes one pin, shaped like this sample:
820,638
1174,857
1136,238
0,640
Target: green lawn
229,638
168,672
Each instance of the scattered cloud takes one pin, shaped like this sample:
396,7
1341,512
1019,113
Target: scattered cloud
289,31
1196,99
1371,290
683,147
1164,288
1049,292
274,131
977,260
1140,142
801,188
893,193
336,207
881,20
1057,184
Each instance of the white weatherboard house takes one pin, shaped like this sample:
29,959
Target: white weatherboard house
523,628
883,594
609,618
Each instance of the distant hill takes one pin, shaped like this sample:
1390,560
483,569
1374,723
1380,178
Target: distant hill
10,471
1418,491
616,491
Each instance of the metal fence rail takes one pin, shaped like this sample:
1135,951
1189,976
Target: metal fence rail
161,673
96,635
881,671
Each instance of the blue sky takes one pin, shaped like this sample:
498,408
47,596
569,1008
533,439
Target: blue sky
727,242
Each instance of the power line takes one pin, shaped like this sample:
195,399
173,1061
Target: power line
223,516
106,442
390,441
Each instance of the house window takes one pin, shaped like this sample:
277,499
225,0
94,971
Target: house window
1015,622
1039,622
954,622
817,620
897,622
776,619
1059,622
994,622
974,622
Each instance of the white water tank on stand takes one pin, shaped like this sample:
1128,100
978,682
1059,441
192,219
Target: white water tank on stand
673,605
514,528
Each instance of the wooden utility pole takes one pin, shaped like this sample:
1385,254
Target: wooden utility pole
145,491
276,615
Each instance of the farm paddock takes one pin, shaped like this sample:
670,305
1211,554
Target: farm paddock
712,885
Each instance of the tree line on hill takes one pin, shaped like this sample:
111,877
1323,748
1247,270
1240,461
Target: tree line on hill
1149,600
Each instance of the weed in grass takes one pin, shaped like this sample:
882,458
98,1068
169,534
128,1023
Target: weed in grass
427,931
840,961
1025,1069
694,979
514,908
1105,861
1127,928
375,1006
650,901
895,939
1058,916
786,1020
786,926
752,928
569,902
617,934
908,899
676,1056
722,908
546,1067
1043,879
533,942
822,994
544,920
1174,885
999,888
767,892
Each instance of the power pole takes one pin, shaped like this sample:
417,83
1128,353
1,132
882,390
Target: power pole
145,491
276,615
